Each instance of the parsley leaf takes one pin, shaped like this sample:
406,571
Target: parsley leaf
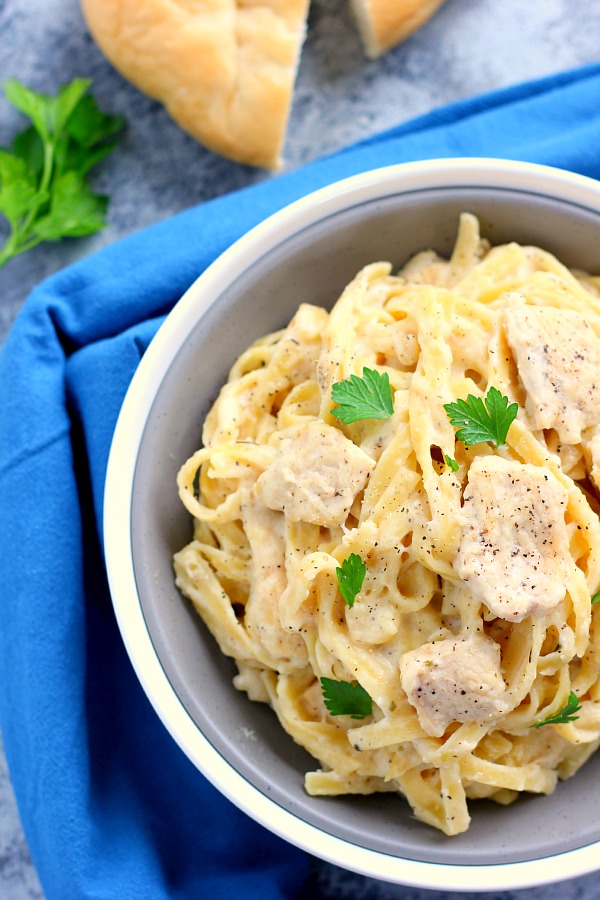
44,194
18,188
350,576
74,210
344,698
369,397
450,461
595,598
480,420
564,715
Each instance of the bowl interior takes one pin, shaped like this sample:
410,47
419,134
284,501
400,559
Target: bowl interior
314,265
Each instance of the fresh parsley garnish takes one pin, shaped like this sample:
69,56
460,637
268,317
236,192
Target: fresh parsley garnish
44,192
369,397
450,461
480,420
350,576
564,715
596,598
345,698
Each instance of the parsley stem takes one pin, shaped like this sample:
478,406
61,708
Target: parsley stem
48,166
16,245
42,195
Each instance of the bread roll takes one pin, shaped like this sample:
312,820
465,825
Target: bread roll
224,70
385,23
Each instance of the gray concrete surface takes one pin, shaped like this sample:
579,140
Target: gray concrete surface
470,47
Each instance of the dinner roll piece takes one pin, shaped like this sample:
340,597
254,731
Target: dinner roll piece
224,70
385,23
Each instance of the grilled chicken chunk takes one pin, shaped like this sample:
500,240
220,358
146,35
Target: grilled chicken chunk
315,476
454,680
558,358
514,548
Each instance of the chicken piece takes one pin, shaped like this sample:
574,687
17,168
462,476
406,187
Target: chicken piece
454,680
315,476
514,548
265,533
558,357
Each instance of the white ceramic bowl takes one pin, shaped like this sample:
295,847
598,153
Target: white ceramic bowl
309,251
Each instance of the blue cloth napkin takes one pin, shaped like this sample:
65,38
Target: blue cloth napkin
110,806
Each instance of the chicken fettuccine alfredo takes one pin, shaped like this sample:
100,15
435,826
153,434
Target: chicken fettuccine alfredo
396,532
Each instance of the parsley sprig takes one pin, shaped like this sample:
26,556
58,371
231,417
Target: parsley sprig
350,575
44,193
346,698
595,598
564,715
479,421
368,397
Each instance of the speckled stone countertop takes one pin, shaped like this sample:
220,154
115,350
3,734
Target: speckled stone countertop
468,48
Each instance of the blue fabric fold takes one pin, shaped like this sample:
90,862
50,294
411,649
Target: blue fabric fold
110,806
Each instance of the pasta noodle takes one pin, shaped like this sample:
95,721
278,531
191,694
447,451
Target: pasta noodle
475,618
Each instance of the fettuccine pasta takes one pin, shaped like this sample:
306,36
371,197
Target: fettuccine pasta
474,635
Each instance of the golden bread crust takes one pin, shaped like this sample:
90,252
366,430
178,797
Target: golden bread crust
385,23
224,69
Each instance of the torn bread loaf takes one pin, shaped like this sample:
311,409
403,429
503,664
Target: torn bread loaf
385,23
225,69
